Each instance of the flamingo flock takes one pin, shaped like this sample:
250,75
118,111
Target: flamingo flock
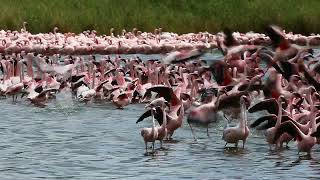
277,73
127,42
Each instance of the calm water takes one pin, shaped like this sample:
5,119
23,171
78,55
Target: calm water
71,140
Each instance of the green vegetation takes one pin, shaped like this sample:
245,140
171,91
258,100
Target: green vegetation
301,16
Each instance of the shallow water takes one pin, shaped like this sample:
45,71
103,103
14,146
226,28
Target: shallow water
72,140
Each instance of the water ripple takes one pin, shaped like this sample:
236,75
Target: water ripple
71,140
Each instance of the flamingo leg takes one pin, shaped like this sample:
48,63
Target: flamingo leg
153,146
224,115
170,136
208,130
243,142
146,146
281,145
194,137
160,144
309,153
287,144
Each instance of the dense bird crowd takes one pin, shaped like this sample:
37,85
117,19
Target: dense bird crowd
278,71
128,42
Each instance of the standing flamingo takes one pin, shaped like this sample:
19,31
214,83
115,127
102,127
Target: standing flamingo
150,134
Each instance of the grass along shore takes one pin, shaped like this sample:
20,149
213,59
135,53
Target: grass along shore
179,16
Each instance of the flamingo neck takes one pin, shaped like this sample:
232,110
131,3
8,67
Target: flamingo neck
291,108
164,124
243,120
180,73
279,115
278,82
102,69
81,66
93,78
313,120
21,72
44,77
17,68
184,77
166,80
234,72
309,98
132,72
120,80
217,102
153,122
177,92
180,118
13,70
194,86
6,72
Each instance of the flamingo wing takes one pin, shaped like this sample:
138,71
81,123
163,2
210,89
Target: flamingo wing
76,78
218,69
310,79
270,118
98,64
290,128
165,92
276,35
110,71
316,68
123,96
38,89
43,66
44,92
270,105
158,115
229,40
185,96
78,84
182,56
98,88
272,122
288,68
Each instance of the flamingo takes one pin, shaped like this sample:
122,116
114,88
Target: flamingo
16,87
161,115
305,141
150,134
241,131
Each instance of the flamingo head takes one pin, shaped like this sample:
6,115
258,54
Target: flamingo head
160,102
245,100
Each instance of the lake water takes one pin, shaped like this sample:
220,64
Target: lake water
72,140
